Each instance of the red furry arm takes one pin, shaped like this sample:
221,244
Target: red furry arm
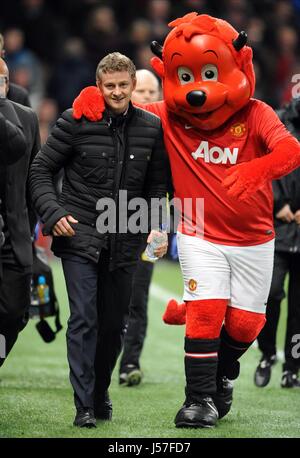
244,179
89,103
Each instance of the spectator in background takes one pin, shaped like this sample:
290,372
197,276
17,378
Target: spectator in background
15,93
286,262
72,73
102,34
287,44
140,35
44,31
47,114
147,88
19,222
25,69
146,91
143,57
237,13
188,6
159,14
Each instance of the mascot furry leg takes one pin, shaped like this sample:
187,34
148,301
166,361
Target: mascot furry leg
217,335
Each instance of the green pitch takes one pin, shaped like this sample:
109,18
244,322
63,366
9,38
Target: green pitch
36,397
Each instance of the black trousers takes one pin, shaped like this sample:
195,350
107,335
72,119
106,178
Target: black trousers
284,263
14,303
138,317
99,302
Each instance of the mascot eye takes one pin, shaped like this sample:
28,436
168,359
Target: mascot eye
185,75
209,73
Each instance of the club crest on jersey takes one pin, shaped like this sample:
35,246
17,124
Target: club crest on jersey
215,154
192,284
238,129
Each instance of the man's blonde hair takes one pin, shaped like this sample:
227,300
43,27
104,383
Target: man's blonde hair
115,62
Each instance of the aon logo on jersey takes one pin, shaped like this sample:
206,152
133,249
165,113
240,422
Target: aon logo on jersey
216,155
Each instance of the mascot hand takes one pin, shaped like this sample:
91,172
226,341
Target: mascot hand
242,180
89,103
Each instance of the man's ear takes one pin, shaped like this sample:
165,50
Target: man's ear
158,66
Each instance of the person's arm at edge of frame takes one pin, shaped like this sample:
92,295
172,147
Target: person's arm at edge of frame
13,142
45,165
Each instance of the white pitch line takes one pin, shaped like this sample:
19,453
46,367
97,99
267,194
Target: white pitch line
163,294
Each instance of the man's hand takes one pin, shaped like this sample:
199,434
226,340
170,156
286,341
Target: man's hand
89,103
62,228
286,214
297,217
161,250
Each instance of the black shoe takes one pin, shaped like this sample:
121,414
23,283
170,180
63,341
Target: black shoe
223,397
85,418
200,414
290,380
262,374
103,407
130,375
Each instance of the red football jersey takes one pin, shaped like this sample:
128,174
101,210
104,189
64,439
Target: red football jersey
198,161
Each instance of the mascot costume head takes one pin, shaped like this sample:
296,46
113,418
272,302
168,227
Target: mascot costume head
206,70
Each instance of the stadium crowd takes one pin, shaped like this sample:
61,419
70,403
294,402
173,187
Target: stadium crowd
52,48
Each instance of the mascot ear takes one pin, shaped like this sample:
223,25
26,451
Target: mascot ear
158,66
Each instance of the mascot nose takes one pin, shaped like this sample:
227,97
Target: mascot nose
196,98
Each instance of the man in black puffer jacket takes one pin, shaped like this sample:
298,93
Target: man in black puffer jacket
122,152
286,261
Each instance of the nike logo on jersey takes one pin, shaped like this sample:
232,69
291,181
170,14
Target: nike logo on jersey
215,155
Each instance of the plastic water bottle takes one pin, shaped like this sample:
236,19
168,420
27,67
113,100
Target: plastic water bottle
157,240
34,295
43,290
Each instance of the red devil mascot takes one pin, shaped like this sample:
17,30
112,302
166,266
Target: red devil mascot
225,148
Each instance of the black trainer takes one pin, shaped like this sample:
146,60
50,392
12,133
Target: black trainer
130,375
263,371
103,407
223,397
85,418
290,380
200,414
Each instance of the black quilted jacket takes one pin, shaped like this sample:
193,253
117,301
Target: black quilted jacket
99,159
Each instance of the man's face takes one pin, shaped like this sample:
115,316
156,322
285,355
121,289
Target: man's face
146,91
117,88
